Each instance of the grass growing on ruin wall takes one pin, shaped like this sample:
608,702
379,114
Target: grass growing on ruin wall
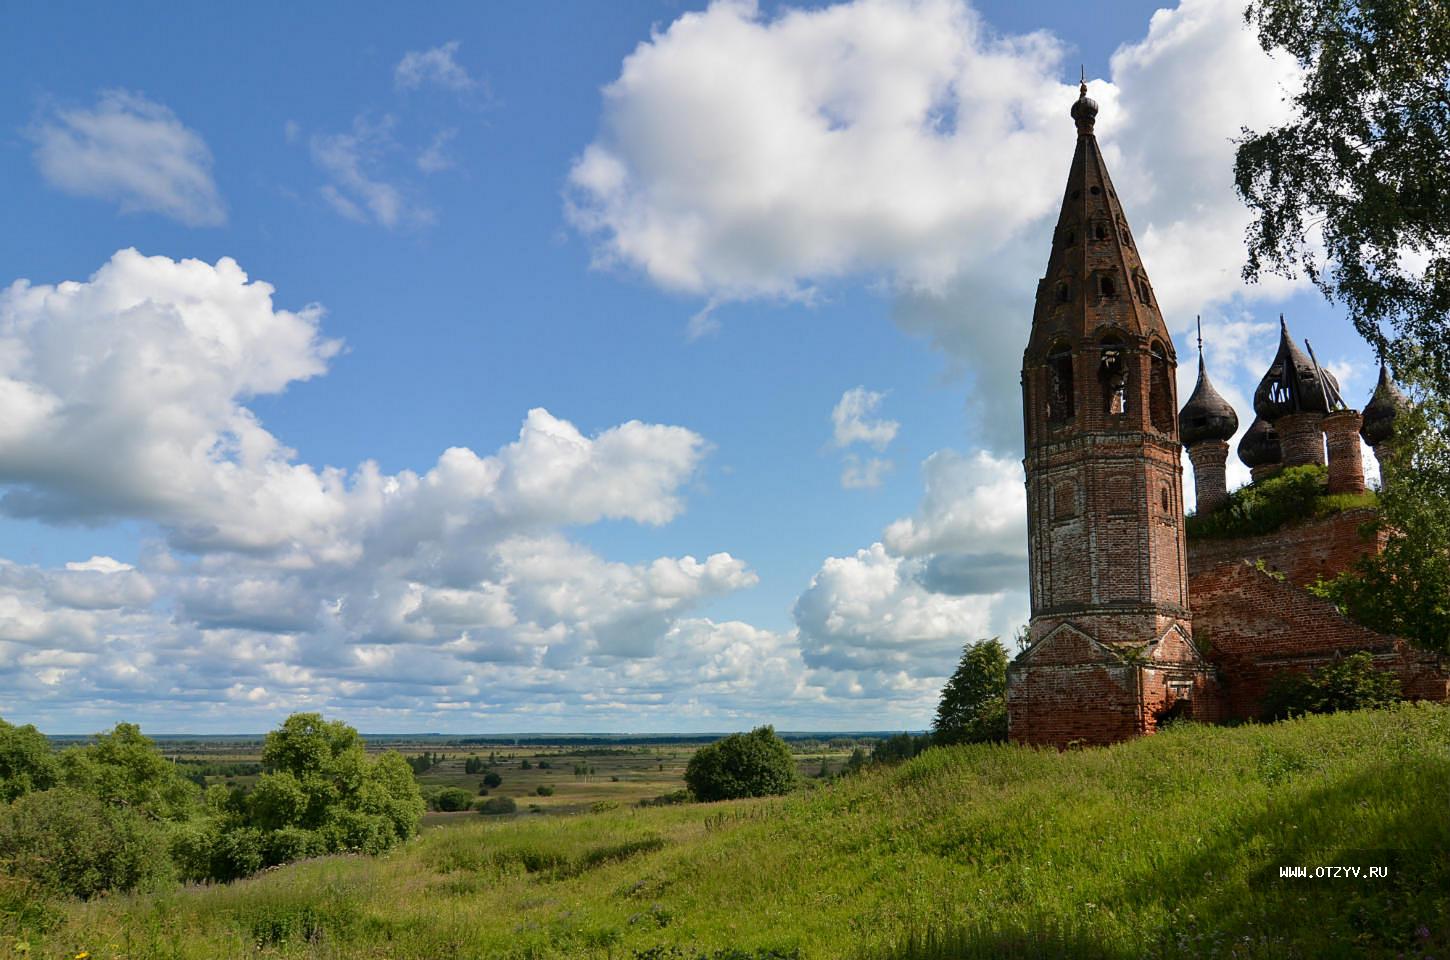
1291,495
1167,846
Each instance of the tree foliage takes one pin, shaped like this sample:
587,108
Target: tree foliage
754,764
73,842
973,706
26,761
1364,166
114,813
1350,683
899,747
1405,588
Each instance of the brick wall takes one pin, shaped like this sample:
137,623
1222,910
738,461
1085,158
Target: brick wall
1303,552
1252,626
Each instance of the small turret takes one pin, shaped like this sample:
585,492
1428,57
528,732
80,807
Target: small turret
1383,407
1205,425
1379,418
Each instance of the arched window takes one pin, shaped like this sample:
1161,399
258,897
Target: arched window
1123,232
1064,292
1107,285
1100,230
1160,390
1144,294
1066,236
1113,375
1163,498
1059,385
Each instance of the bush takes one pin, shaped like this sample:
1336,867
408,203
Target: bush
492,779
1294,493
497,805
754,764
452,798
70,842
1351,683
544,790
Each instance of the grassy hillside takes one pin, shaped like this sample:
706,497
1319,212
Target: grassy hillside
1168,846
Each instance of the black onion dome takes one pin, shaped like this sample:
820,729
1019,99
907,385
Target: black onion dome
1380,412
1085,110
1294,383
1206,415
1260,445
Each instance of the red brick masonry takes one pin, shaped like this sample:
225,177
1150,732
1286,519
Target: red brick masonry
1252,619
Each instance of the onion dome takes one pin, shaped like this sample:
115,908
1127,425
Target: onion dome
1260,445
1206,415
1294,383
1383,407
1085,110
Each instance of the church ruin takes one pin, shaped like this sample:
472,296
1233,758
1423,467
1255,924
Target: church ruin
1131,624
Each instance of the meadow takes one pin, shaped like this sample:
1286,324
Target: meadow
1169,846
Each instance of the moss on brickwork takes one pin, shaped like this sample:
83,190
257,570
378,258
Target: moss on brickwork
1293,494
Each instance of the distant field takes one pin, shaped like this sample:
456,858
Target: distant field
610,774
1168,846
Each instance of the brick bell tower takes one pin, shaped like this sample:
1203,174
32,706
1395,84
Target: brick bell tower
1111,639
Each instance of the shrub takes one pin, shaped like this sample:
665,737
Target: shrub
70,842
492,779
1351,683
544,790
754,764
453,798
1294,493
497,805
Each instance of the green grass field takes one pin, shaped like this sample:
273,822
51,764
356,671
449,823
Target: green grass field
1164,847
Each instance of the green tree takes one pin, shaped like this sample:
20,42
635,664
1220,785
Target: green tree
754,764
1364,165
1405,588
973,706
26,761
492,779
320,778
124,768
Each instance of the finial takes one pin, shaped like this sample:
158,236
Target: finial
1085,109
1198,319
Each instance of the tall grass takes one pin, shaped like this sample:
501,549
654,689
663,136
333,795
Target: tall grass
1164,847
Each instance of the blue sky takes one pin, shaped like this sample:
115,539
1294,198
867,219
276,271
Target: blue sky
690,234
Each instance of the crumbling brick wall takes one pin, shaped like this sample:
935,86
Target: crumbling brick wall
1303,552
1252,626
